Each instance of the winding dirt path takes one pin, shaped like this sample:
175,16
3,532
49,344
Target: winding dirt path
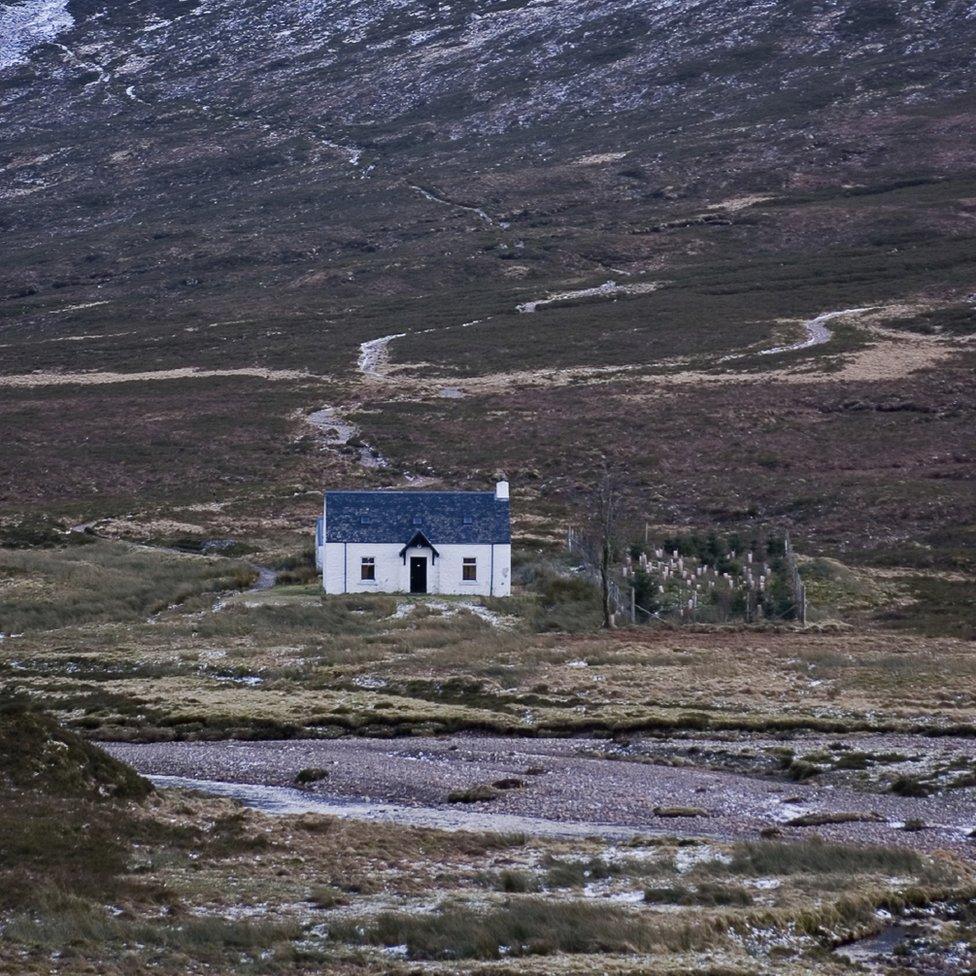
337,432
100,378
444,202
891,355
267,577
374,356
374,360
816,330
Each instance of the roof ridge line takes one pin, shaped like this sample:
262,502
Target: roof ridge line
404,491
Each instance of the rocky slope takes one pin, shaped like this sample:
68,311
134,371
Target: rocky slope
229,158
215,185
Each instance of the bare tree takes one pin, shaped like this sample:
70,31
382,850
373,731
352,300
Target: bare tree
600,535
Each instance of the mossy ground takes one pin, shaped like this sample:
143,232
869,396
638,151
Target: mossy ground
288,661
177,883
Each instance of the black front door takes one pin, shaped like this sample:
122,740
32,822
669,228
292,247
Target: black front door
418,574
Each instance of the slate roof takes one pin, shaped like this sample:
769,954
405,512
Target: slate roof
445,517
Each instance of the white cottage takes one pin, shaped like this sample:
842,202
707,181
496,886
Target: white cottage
416,542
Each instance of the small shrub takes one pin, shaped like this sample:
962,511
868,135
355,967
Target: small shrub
667,895
853,760
575,873
516,882
910,786
508,783
914,824
37,531
472,794
680,812
824,819
964,782
327,897
706,894
800,770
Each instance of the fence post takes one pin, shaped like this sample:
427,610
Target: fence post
796,583
633,604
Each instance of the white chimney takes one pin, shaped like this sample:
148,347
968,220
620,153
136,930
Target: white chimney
501,491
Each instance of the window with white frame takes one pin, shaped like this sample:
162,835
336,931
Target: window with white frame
367,569
469,569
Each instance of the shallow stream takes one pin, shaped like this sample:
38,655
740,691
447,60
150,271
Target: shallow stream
283,800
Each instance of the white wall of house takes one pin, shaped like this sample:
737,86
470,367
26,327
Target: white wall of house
342,569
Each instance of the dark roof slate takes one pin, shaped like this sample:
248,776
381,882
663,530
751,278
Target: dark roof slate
445,517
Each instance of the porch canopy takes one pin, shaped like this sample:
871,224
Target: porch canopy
419,541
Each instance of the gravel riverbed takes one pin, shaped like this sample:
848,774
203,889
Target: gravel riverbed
563,781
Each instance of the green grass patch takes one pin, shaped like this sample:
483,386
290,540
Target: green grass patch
47,589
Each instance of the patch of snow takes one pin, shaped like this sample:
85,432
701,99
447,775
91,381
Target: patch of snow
158,23
403,610
29,23
602,890
77,308
595,159
368,681
686,858
488,616
450,608
790,810
607,290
